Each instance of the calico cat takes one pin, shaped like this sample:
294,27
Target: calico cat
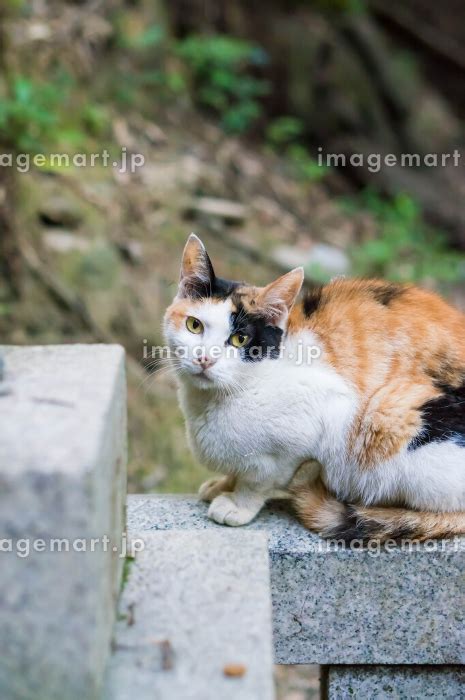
362,381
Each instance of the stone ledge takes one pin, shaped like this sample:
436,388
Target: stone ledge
342,606
196,607
63,475
384,682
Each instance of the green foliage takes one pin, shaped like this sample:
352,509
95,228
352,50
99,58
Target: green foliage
220,67
29,112
406,249
95,119
318,273
149,38
285,134
37,115
284,130
159,84
150,72
339,6
306,167
5,309
12,7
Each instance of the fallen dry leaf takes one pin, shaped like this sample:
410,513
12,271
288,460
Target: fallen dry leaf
234,670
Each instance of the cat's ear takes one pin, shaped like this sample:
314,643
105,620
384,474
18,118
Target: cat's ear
277,299
197,275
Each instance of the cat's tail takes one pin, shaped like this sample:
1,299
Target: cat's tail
318,510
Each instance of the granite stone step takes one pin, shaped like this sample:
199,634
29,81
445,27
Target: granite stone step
395,682
194,619
335,605
62,484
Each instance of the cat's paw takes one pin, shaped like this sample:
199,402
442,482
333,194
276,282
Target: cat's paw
224,511
214,487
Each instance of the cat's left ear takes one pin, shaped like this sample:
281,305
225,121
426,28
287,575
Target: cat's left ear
197,274
277,299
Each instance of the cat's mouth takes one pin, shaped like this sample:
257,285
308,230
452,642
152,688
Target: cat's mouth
202,378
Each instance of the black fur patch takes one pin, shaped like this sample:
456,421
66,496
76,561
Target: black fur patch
443,418
222,288
356,527
217,287
386,293
312,301
264,339
350,528
353,527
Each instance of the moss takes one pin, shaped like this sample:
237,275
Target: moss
127,565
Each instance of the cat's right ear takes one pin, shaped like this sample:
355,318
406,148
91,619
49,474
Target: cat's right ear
197,274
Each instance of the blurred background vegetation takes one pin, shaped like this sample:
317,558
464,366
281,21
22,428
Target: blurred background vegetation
229,103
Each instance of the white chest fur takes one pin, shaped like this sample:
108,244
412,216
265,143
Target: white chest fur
284,415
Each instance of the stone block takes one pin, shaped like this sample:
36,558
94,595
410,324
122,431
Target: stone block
62,483
195,619
396,683
334,605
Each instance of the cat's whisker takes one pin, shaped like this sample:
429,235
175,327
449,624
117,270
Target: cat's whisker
157,362
166,370
158,373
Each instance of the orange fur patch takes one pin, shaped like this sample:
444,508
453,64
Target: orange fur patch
318,510
177,312
395,344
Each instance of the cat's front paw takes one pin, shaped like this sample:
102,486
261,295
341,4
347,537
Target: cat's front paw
214,487
225,511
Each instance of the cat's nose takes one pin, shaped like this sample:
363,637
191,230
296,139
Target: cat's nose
204,362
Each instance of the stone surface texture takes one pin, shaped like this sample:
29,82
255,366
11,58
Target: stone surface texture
62,476
342,606
385,682
195,619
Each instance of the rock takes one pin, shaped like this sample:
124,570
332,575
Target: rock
60,211
62,241
270,212
132,251
151,131
38,31
165,177
230,212
290,256
332,260
123,135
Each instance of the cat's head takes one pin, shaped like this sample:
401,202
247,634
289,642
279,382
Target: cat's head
216,328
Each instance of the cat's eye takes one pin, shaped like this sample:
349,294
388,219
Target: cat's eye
194,325
238,340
